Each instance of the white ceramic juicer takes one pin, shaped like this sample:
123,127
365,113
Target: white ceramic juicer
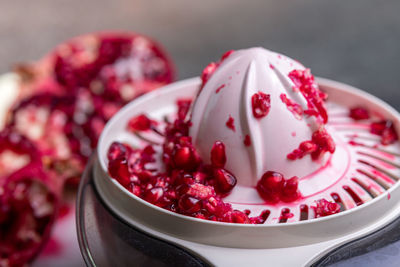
361,178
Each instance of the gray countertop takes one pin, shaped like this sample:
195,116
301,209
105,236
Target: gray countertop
356,42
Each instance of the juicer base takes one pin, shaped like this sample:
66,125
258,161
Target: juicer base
105,239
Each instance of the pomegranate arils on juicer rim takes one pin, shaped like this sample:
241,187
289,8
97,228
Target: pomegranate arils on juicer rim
224,181
385,129
273,187
325,208
359,113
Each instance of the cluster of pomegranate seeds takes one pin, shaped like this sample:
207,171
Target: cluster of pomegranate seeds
325,208
188,185
293,107
385,129
273,187
110,61
304,82
359,113
320,143
28,200
261,104
210,68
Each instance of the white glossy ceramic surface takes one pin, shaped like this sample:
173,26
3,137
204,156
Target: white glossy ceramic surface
228,93
311,236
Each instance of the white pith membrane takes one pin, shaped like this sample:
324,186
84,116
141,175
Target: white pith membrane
353,175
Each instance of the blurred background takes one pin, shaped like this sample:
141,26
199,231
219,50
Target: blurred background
357,41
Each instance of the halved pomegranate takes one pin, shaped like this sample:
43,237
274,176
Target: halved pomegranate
48,121
118,66
28,200
81,85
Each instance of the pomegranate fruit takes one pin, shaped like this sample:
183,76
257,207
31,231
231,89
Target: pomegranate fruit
118,66
28,200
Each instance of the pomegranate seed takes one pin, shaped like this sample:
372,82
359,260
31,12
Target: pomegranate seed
230,123
218,157
136,190
321,142
189,204
285,215
154,195
324,142
247,140
324,208
308,147
261,104
378,127
185,158
219,88
290,192
199,177
210,69
239,217
119,170
226,55
386,130
116,151
183,107
207,72
200,191
225,181
292,106
270,186
140,123
144,176
359,113
304,82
